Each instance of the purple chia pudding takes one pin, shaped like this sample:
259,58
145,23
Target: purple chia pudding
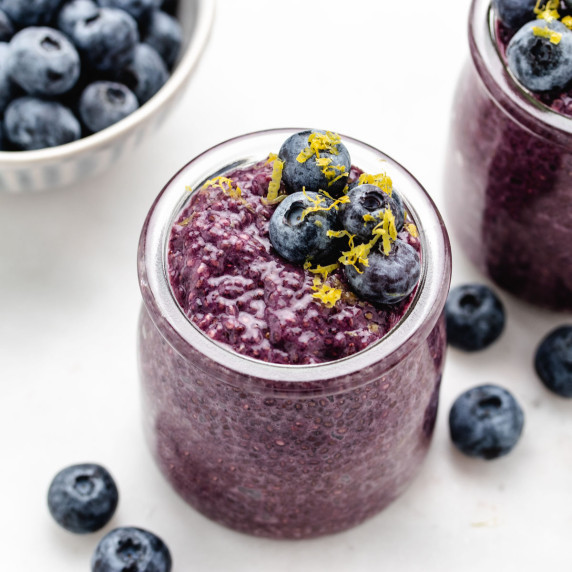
266,410
508,176
233,285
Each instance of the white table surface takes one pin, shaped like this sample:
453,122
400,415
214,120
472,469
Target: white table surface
383,72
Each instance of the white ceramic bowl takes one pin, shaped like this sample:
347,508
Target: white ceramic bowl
31,171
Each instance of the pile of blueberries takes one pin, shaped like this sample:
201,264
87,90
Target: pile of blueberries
70,68
82,499
299,235
540,61
486,421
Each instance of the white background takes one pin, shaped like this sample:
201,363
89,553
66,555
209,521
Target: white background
381,71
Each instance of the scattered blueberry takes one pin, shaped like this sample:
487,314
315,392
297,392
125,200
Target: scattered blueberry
537,63
30,12
42,61
104,103
553,361
308,174
83,498
297,238
6,85
74,12
486,422
107,40
130,549
146,75
369,200
514,13
387,279
31,123
164,34
135,8
475,317
6,27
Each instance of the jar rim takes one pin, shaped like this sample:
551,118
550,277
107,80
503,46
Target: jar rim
187,339
505,89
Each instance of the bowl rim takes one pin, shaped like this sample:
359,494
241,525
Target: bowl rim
177,81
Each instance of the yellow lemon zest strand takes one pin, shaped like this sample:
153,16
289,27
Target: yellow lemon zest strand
234,192
412,230
325,293
274,185
322,291
185,221
324,271
381,180
188,189
567,21
317,142
548,12
318,223
226,185
319,201
358,254
271,157
554,37
368,218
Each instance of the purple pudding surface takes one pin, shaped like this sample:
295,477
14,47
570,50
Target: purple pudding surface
231,283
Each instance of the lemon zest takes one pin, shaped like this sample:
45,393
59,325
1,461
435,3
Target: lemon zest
274,185
412,230
358,254
327,294
567,21
189,189
185,221
319,201
548,12
317,142
234,192
554,37
381,180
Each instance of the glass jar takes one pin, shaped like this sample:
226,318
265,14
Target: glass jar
289,451
508,176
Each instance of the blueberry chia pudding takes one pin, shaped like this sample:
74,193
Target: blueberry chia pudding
509,165
290,379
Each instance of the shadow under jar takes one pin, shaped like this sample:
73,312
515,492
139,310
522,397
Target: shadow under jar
508,176
289,451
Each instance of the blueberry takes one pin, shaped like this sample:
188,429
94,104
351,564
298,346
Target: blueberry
30,12
6,85
369,201
6,27
146,75
164,34
31,123
74,12
514,13
486,422
104,103
475,317
537,63
133,550
42,61
309,174
387,279
553,361
107,40
298,238
83,498
135,8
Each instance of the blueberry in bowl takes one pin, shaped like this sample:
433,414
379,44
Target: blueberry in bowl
109,44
